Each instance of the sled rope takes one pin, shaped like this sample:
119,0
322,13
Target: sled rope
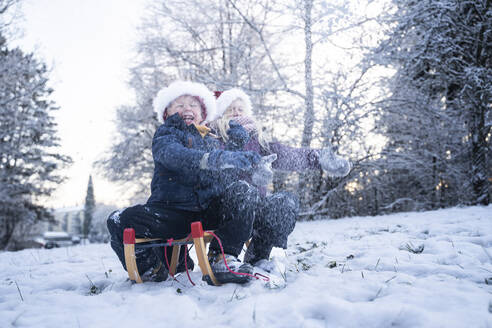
170,243
186,265
256,275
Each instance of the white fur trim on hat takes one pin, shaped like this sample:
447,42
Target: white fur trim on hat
228,97
180,88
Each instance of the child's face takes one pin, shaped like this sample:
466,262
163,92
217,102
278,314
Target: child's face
188,108
235,109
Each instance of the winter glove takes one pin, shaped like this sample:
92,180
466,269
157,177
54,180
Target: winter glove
263,175
333,164
238,136
222,159
247,123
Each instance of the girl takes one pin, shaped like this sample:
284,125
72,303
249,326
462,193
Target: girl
278,212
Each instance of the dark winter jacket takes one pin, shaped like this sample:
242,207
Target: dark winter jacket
178,182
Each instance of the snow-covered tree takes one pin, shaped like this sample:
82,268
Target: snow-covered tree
437,118
90,204
320,37
7,15
29,155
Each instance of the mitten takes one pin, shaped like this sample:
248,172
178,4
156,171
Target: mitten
222,159
238,136
332,164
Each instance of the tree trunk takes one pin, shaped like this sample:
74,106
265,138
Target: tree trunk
307,133
479,160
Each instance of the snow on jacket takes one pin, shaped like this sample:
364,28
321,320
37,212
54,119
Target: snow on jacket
288,158
178,182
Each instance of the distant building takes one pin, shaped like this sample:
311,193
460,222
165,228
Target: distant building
68,219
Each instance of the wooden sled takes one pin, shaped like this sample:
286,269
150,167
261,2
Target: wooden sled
199,238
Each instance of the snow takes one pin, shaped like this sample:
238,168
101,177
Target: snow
354,272
56,234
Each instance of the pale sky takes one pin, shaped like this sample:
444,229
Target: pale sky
89,44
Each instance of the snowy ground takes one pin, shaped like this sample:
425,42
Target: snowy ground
356,272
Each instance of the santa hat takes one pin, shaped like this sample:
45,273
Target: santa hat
226,98
180,88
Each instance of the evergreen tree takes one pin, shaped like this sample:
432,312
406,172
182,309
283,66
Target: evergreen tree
89,206
29,159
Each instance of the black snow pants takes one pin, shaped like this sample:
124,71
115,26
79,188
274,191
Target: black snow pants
231,216
275,220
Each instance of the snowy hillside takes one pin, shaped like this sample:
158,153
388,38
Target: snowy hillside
356,272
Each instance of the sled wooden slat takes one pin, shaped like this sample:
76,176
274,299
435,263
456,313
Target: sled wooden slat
130,259
174,260
177,251
146,240
199,238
